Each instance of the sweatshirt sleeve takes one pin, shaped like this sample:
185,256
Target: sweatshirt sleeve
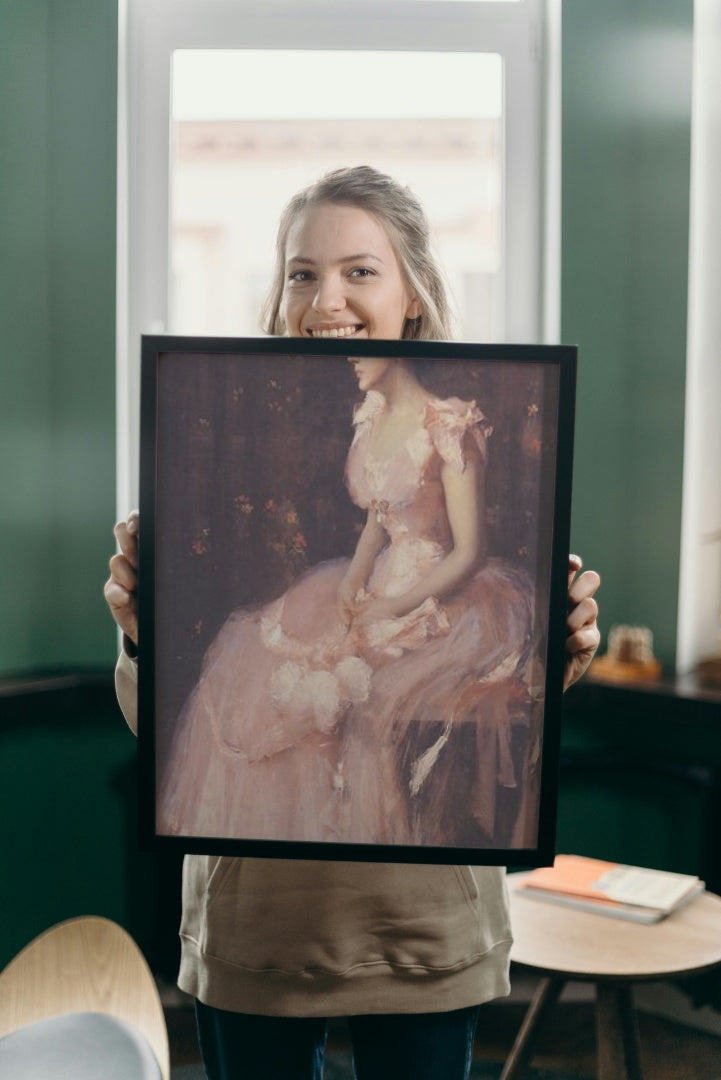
126,688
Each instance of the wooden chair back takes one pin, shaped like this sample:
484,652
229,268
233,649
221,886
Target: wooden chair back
87,964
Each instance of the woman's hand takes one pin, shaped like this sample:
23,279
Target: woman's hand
346,601
583,635
378,608
121,587
357,606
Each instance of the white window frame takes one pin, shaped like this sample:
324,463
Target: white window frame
699,597
526,34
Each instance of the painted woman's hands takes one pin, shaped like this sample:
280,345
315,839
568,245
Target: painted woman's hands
360,608
377,608
346,599
121,587
582,633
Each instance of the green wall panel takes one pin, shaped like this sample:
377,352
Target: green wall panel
25,391
58,76
60,785
69,799
641,779
626,146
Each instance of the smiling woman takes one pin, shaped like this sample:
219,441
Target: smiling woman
353,253
331,292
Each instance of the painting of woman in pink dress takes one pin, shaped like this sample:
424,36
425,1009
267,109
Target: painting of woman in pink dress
371,702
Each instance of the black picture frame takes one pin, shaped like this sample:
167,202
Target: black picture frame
250,740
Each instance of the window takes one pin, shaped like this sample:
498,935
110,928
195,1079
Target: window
699,624
227,107
235,161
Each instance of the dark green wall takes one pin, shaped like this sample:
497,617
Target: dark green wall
58,74
625,216
625,202
68,804
641,778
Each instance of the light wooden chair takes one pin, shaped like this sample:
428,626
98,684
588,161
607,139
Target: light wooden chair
89,972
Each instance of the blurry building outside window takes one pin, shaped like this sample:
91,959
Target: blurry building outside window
238,156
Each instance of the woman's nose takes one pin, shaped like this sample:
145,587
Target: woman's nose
329,296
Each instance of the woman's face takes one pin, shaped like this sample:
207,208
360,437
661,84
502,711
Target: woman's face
342,277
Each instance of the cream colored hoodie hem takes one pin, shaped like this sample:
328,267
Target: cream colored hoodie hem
372,988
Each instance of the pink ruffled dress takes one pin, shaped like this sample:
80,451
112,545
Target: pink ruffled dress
302,728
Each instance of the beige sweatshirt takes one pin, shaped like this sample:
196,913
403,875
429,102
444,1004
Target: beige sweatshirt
286,937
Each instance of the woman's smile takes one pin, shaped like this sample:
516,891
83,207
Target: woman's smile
335,331
342,277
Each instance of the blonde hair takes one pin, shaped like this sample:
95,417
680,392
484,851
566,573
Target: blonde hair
403,217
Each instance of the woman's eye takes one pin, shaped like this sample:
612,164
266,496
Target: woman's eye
362,272
300,276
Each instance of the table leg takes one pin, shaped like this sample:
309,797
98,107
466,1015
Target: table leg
545,997
617,1033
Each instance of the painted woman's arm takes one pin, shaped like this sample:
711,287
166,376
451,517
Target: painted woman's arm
465,502
370,543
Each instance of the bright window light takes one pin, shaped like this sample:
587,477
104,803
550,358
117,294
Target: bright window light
238,155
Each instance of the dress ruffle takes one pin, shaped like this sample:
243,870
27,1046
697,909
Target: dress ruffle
444,426
449,421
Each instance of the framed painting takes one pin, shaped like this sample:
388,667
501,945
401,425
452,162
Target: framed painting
352,597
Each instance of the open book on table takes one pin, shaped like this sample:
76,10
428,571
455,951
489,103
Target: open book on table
609,888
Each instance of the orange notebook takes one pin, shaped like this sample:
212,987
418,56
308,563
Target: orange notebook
631,892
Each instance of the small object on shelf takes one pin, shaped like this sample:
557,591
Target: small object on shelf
708,671
634,893
629,657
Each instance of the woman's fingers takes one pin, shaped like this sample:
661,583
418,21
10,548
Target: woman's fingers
582,633
121,587
123,572
123,608
126,534
582,611
584,640
575,562
119,599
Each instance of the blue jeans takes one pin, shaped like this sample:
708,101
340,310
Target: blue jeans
416,1046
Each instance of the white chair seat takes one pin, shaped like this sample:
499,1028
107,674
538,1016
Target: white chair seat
78,1046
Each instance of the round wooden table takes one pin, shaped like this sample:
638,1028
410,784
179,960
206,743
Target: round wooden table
562,944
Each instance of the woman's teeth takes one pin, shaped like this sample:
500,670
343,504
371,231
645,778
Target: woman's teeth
337,331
